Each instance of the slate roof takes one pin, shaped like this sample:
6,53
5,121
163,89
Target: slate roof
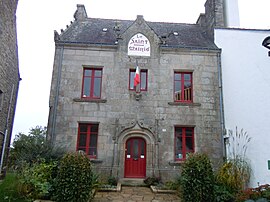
90,31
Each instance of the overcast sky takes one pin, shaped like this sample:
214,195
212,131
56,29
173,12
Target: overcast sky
37,20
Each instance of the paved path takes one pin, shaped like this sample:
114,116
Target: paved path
135,194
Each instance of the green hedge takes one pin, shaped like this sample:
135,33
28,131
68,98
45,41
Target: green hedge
74,181
197,179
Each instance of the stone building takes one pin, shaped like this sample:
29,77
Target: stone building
9,73
142,131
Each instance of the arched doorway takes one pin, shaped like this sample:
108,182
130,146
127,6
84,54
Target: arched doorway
135,158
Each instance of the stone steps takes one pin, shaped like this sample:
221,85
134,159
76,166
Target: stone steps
132,182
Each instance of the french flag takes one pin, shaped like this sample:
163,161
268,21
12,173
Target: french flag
137,77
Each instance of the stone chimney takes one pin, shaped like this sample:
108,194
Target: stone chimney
213,17
80,13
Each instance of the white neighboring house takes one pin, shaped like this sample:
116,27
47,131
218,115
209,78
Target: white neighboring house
246,92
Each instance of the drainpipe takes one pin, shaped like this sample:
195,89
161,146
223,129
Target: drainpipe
6,130
222,119
58,81
157,147
114,144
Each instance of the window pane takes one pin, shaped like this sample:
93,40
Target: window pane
178,131
83,128
142,147
189,144
178,149
189,132
177,76
97,86
131,79
98,73
187,77
87,72
177,86
93,140
128,147
86,87
179,143
135,149
187,84
143,80
82,140
94,128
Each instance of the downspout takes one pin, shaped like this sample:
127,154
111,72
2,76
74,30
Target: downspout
55,104
222,119
114,144
6,130
157,147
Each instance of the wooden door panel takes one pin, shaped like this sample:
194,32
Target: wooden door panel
135,158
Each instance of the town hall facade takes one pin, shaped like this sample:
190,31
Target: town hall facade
142,131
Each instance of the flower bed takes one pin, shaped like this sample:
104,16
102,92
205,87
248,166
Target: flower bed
108,187
160,189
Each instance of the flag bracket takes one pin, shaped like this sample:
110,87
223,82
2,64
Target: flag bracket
138,96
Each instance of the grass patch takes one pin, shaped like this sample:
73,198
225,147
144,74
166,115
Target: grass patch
9,189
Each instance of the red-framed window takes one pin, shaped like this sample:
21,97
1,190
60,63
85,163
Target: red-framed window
183,86
87,139
92,78
184,142
1,99
143,79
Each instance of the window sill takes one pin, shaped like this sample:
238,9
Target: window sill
89,100
191,104
95,161
176,163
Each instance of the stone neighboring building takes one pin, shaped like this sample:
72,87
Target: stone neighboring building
142,131
9,72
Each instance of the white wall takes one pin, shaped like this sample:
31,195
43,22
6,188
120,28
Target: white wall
246,90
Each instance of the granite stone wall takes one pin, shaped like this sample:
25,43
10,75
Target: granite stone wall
122,113
9,69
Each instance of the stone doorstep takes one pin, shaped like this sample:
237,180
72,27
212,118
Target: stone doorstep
132,182
165,191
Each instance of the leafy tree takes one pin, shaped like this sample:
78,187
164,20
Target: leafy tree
32,148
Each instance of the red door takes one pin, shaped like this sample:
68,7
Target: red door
135,158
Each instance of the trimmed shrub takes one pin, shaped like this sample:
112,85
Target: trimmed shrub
197,179
74,181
